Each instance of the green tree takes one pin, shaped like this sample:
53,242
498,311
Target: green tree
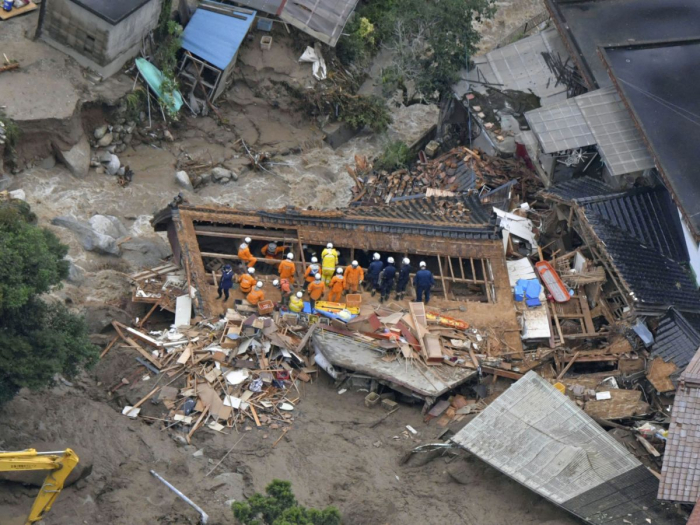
37,339
280,507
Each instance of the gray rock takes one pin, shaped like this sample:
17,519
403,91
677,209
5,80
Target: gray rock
183,180
112,167
77,159
91,240
168,136
104,156
48,163
199,453
76,275
205,178
18,194
220,174
106,140
100,132
108,225
118,128
128,137
145,252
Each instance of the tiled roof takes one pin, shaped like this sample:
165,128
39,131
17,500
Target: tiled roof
560,127
680,475
656,281
676,340
576,189
648,215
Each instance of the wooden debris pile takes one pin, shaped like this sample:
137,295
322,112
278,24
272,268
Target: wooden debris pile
457,171
161,285
237,372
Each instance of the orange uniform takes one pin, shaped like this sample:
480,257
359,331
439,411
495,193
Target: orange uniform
286,270
247,257
278,253
311,272
246,282
316,290
255,296
353,278
337,286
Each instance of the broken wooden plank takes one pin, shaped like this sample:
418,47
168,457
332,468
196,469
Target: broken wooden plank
648,446
500,372
569,365
659,375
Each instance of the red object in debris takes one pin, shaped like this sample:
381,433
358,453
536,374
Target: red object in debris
283,375
551,280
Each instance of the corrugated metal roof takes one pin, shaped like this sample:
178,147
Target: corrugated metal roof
216,37
541,439
619,142
323,19
676,340
520,66
680,474
560,127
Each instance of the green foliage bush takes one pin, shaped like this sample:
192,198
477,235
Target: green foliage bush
280,507
37,339
396,155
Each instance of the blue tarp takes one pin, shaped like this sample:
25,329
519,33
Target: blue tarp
216,37
530,289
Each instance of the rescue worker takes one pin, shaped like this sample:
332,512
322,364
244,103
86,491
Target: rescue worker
256,295
404,277
422,282
329,261
386,282
247,281
244,254
296,303
311,271
375,268
226,281
285,290
354,275
316,290
272,251
337,286
287,268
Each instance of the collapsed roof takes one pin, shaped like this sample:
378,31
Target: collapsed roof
540,438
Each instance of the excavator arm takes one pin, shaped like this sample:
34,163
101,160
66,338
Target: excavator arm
60,464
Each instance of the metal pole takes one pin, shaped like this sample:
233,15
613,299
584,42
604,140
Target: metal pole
204,517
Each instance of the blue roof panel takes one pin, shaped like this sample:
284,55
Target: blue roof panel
216,37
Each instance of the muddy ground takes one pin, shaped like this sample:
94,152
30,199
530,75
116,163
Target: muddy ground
332,455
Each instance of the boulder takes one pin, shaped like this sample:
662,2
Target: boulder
91,240
105,141
220,174
205,178
76,159
108,225
145,252
112,167
100,132
18,194
76,275
183,180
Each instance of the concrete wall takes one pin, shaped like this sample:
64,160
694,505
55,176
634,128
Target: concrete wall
93,42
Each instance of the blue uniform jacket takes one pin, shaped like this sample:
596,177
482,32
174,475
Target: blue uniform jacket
375,267
423,279
226,280
404,274
389,274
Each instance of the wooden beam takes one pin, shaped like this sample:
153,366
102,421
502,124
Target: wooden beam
502,373
569,365
442,277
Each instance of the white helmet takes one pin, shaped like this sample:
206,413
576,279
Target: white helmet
406,260
329,245
390,260
248,240
243,246
377,256
318,276
251,271
300,295
259,284
275,282
290,256
314,260
355,264
422,264
339,271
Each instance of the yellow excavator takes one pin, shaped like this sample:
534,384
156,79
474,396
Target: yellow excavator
60,464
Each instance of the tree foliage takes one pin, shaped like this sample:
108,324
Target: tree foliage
37,339
431,39
396,155
280,507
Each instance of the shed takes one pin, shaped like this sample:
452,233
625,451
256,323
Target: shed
211,42
100,34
